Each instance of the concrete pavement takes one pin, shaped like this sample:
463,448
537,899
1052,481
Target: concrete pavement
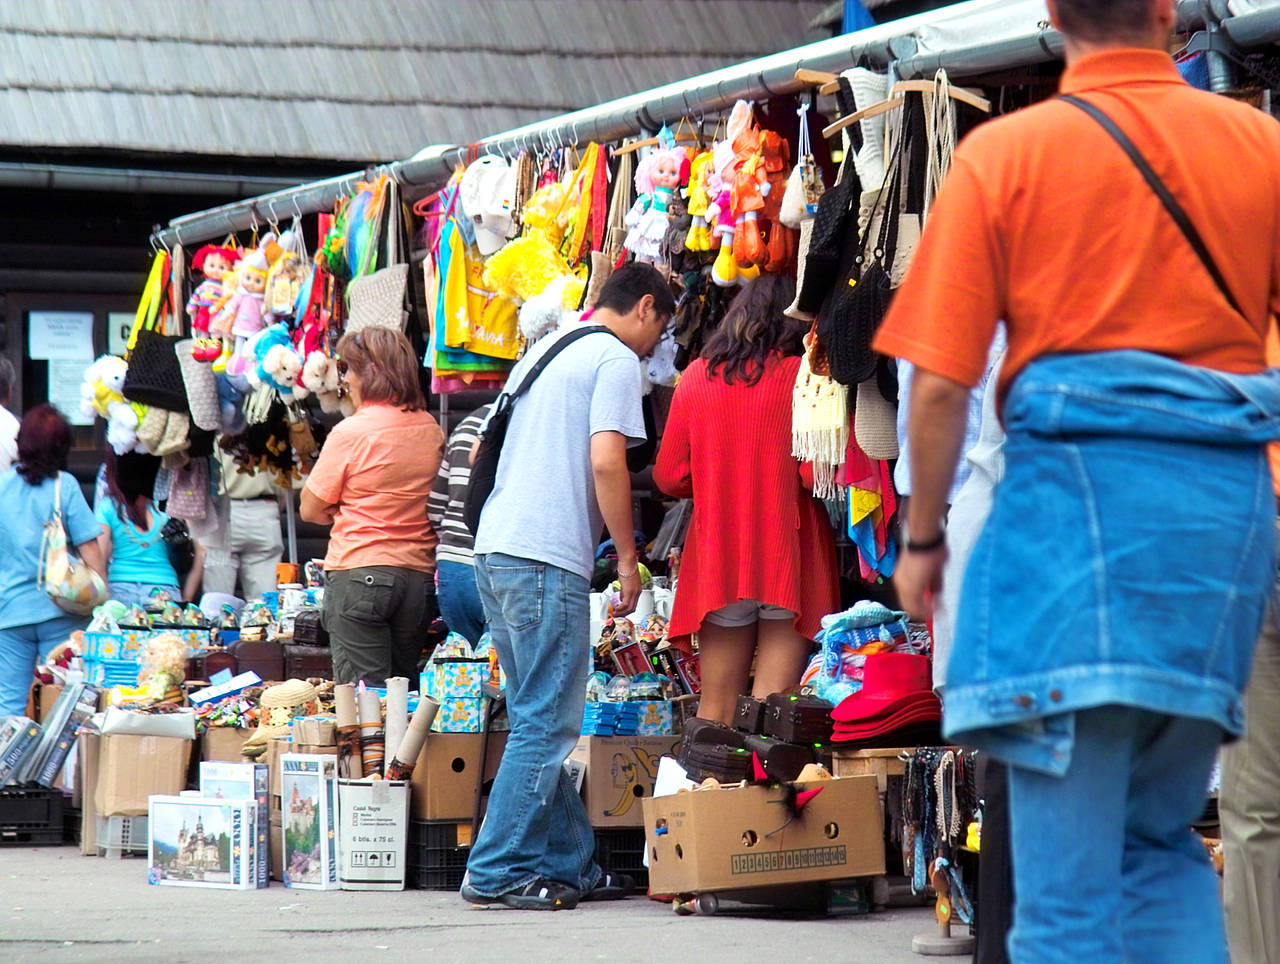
56,905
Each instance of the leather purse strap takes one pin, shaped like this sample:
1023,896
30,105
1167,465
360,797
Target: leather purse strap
1166,197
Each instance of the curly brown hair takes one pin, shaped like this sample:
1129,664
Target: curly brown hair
387,366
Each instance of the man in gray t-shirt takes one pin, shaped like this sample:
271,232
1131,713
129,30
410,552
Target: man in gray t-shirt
563,473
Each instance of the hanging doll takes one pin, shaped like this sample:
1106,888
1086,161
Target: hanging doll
213,261
699,237
242,316
657,178
781,247
750,186
724,271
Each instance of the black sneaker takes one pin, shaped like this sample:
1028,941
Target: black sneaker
542,894
611,887
473,896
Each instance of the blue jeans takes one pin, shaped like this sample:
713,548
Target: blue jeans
536,825
139,593
1105,866
21,647
459,599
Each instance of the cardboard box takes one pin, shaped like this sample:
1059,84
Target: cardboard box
445,775
456,678
133,768
620,771
223,743
277,747
276,846
315,730
373,825
243,781
309,811
202,842
49,693
738,838
88,751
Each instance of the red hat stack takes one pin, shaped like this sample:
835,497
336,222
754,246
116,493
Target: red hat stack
896,693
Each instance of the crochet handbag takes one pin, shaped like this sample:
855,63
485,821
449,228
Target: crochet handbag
154,376
855,308
69,583
376,298
832,224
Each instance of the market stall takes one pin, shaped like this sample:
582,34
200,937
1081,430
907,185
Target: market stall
777,167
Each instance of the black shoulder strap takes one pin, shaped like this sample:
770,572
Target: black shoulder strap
564,342
1162,192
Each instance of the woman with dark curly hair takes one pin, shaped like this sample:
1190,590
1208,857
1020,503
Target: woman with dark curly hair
30,623
759,569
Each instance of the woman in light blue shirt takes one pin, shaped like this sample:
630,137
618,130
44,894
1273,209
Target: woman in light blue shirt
136,553
30,623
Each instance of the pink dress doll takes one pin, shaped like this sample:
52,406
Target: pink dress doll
659,175
213,262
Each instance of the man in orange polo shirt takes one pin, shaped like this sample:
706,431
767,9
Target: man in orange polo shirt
1111,605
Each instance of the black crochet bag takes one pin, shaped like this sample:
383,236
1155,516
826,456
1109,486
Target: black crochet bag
834,221
154,376
857,305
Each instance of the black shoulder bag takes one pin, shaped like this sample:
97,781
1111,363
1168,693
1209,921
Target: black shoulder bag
1166,197
484,470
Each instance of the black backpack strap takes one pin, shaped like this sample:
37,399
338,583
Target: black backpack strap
564,342
1162,192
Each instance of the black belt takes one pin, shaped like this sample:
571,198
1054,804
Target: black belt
255,498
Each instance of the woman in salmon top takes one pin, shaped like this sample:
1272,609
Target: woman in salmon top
759,568
371,484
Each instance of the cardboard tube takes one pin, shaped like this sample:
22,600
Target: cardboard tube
372,735
350,766
397,713
406,755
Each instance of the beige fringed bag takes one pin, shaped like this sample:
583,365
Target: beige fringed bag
819,426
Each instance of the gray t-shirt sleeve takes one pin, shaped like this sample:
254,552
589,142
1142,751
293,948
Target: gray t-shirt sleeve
615,398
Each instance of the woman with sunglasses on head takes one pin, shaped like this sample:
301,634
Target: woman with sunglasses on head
371,483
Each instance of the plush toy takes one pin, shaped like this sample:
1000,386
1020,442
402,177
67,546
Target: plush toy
699,237
214,262
320,378
657,178
164,666
285,278
100,395
277,363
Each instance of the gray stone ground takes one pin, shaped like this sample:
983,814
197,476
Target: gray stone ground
56,905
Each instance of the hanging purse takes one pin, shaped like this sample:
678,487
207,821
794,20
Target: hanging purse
376,297
855,308
69,583
832,225
181,549
154,376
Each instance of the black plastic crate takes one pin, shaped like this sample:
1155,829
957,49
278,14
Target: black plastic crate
72,818
435,861
621,851
30,816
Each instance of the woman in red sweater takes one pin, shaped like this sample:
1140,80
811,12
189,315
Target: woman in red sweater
759,569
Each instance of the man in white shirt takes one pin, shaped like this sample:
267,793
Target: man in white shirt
8,422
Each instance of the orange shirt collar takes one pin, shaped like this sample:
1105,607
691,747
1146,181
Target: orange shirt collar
1111,68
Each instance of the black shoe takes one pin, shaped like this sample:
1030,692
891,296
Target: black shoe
473,896
611,887
541,894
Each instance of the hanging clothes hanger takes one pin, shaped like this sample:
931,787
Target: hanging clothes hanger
681,136
875,110
965,95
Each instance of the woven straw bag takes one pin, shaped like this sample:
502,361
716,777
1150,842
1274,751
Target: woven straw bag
376,298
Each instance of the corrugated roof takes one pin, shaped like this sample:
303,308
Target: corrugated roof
323,79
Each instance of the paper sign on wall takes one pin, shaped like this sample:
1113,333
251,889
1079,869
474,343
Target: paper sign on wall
119,324
60,336
65,378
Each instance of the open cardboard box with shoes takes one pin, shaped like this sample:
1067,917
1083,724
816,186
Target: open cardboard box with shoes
743,837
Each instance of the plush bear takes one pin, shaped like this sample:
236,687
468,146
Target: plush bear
100,395
320,378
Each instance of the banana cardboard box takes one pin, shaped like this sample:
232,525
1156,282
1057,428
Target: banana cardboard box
620,771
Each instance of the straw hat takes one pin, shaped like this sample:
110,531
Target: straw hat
279,705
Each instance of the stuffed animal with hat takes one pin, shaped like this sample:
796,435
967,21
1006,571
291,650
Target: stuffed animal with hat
100,395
